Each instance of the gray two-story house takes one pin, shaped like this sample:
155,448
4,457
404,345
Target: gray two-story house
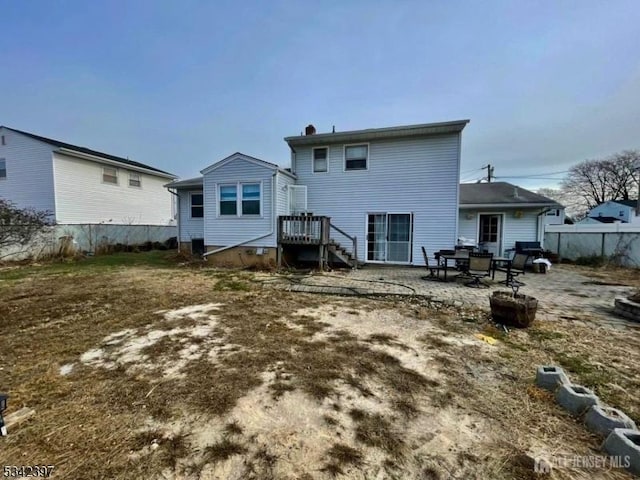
377,195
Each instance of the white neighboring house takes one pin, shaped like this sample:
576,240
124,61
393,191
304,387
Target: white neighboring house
614,211
81,186
386,193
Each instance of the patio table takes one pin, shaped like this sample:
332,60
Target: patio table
459,256
501,261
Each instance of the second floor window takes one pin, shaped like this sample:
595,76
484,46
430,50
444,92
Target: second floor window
134,180
3,168
197,205
320,159
355,157
110,175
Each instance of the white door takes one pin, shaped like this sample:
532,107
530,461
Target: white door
389,237
490,233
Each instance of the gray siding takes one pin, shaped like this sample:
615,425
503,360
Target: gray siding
29,181
190,228
524,228
223,231
417,175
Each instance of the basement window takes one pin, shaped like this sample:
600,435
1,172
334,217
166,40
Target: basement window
3,168
110,175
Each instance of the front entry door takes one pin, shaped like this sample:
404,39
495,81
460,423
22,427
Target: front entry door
490,233
389,237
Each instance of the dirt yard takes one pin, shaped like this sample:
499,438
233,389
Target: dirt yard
139,367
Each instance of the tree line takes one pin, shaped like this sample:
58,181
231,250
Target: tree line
592,182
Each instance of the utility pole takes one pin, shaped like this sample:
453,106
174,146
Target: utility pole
489,169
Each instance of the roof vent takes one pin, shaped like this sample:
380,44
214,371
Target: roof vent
310,130
515,192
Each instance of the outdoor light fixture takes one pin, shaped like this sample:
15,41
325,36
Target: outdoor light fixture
3,407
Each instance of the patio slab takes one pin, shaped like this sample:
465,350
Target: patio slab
562,292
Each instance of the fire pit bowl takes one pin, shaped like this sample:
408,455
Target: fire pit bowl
515,310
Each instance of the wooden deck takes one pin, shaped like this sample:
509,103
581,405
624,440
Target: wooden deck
315,230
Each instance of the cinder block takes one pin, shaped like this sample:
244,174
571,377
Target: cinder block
602,420
550,376
624,444
575,398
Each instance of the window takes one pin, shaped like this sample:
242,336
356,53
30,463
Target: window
228,200
320,155
621,214
110,175
553,213
3,168
134,180
251,199
197,205
355,157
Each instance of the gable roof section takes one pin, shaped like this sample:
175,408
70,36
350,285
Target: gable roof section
247,158
87,151
501,194
378,133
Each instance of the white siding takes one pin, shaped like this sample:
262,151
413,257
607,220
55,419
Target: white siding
515,228
82,197
223,231
189,227
29,181
282,197
418,176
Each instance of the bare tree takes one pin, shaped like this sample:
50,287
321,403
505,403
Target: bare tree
593,182
19,226
573,209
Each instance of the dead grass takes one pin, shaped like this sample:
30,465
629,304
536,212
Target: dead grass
94,419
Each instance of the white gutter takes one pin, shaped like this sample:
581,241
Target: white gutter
465,206
273,224
95,158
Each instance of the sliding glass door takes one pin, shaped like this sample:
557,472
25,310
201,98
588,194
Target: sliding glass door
389,237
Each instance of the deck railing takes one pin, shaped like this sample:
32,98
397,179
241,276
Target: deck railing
303,229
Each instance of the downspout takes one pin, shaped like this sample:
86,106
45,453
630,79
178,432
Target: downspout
539,226
177,215
273,210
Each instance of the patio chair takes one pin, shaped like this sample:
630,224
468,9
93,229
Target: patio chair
479,267
433,267
517,268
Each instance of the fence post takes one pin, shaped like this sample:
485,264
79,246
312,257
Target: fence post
559,239
602,246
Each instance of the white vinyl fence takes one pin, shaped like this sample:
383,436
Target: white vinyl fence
620,242
89,238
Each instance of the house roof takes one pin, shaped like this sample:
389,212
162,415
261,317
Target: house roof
607,219
185,184
248,158
378,133
501,194
88,151
627,203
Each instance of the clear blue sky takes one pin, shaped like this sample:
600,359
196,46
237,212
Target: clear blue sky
182,84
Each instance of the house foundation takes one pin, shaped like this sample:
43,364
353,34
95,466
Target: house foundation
243,257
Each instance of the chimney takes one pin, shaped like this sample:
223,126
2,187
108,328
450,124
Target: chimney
310,130
515,192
